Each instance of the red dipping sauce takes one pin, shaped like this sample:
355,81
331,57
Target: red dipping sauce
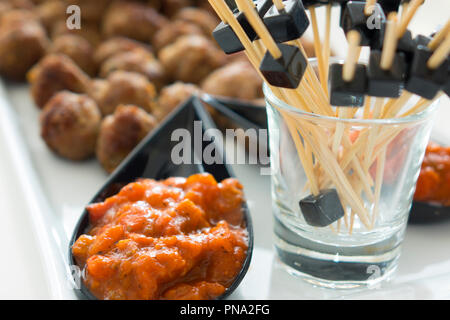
173,239
434,180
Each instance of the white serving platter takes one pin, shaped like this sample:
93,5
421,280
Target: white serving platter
42,196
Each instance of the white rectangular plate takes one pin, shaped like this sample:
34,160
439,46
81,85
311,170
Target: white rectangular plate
43,195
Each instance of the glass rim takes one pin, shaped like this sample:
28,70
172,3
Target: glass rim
273,100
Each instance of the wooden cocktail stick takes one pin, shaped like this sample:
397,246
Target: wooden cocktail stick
439,37
333,169
440,54
327,47
397,105
379,181
318,49
367,107
219,12
247,44
404,6
386,137
378,107
229,18
311,78
340,127
279,5
364,178
307,165
252,53
310,74
259,27
348,71
420,106
390,42
407,17
332,161
368,9
387,59
353,38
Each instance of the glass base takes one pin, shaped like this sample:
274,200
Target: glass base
335,267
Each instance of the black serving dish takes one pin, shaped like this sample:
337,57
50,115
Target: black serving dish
151,159
427,213
245,114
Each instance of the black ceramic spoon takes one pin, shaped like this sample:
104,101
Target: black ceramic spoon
152,159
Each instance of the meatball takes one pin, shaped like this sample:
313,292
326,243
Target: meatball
112,46
90,31
120,133
4,8
23,42
51,12
171,7
173,31
191,58
123,87
90,10
133,20
78,49
238,80
156,4
204,4
202,18
54,73
8,5
172,96
21,4
70,124
137,60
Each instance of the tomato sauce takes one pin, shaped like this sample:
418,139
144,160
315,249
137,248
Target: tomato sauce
181,238
434,180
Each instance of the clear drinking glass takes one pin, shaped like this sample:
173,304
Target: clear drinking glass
373,165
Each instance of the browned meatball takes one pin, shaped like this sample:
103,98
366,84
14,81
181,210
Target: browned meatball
50,12
90,10
171,7
115,45
155,4
90,31
8,5
202,18
78,49
238,80
137,60
133,20
173,31
22,43
4,7
123,87
204,4
173,95
191,58
70,124
21,4
54,73
120,133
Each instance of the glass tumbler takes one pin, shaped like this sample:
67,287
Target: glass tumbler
372,165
